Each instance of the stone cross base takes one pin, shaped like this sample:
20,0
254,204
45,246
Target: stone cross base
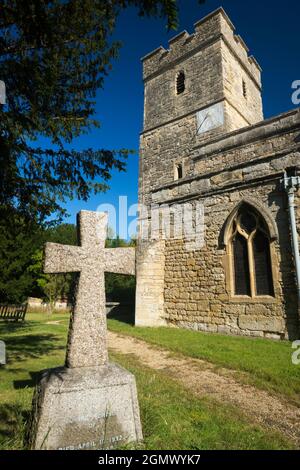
85,408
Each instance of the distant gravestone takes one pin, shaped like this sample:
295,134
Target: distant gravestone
2,353
2,92
90,403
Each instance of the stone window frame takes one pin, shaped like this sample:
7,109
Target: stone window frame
226,241
180,73
245,89
175,170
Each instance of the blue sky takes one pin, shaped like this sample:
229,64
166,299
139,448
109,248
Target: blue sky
270,29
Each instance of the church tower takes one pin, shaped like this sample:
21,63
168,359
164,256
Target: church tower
204,86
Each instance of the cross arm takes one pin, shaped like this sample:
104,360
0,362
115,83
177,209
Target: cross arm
62,258
119,260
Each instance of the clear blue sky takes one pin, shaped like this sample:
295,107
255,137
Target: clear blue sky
270,28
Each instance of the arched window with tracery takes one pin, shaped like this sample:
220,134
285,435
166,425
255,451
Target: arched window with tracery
250,254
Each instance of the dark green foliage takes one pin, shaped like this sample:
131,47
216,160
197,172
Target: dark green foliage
118,287
19,240
54,55
66,234
21,247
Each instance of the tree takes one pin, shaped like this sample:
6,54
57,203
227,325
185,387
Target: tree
20,238
66,234
54,55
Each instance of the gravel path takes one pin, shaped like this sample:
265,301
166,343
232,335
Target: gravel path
202,379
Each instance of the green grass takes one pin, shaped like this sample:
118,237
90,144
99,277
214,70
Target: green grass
172,418
31,347
264,363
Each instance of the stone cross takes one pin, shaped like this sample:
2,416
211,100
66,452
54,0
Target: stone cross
87,341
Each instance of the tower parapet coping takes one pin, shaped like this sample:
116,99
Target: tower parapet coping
213,27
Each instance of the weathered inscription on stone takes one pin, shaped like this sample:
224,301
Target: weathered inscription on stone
110,443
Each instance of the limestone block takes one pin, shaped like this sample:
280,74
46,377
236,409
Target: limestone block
260,323
200,185
273,336
224,329
150,295
227,177
203,305
257,310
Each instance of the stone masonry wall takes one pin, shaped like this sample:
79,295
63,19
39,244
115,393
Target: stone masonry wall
150,284
261,151
203,72
159,151
196,289
245,165
249,108
215,62
250,166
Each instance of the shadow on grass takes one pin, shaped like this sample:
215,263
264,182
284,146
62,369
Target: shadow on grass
10,327
27,346
123,313
29,383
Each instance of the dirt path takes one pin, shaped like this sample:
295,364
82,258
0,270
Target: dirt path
202,378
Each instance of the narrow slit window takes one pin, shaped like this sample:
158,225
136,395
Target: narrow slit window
179,171
244,89
180,83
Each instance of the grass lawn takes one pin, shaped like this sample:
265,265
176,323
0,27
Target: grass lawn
171,417
264,363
